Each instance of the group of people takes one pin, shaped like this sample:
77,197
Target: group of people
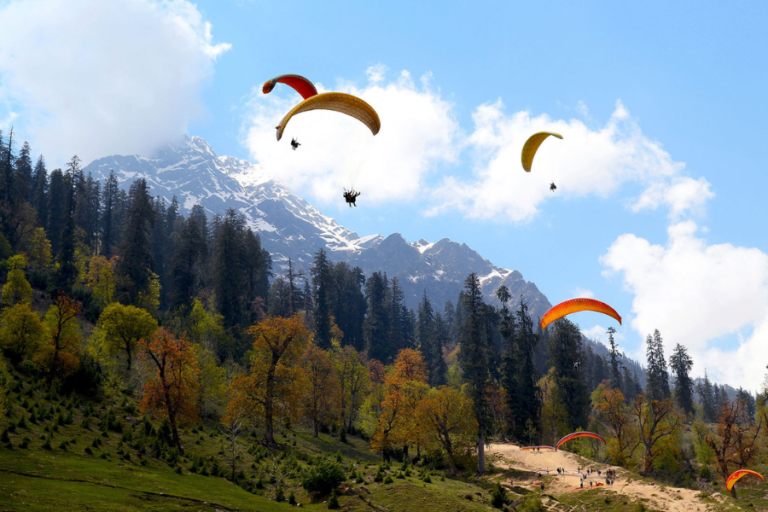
586,475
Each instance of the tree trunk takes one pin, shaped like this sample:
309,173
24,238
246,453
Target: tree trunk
733,492
269,435
172,420
128,353
481,453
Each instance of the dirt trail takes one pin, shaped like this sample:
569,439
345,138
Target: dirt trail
671,499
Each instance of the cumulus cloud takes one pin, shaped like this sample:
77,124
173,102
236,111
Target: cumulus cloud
583,293
681,194
586,162
97,78
418,133
696,294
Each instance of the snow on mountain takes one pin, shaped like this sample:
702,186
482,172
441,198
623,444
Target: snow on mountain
291,227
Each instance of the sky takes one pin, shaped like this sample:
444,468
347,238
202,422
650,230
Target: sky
659,209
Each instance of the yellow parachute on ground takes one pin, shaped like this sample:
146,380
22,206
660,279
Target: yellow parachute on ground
339,102
532,145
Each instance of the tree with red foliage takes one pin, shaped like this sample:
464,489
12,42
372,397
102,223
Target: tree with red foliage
172,391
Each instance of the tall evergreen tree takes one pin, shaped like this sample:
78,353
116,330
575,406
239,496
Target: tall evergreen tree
474,359
400,333
57,215
67,272
681,364
509,366
23,175
109,216
322,282
657,387
438,375
135,267
615,364
565,349
426,337
529,396
39,192
376,324
347,302
707,399
187,263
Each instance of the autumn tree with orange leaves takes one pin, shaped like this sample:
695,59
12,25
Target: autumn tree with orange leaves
273,387
321,394
735,444
59,357
172,391
392,428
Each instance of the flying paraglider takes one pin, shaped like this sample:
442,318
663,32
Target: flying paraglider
738,475
294,144
299,84
576,305
532,145
576,365
351,196
577,435
552,186
339,102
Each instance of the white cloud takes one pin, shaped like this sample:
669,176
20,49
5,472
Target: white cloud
697,294
599,333
583,293
680,194
97,78
585,163
418,132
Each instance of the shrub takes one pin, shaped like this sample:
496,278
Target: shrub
705,472
333,502
279,494
388,480
25,443
498,496
292,499
323,477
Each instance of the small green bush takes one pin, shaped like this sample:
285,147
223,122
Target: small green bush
323,477
333,502
388,480
498,496
705,472
292,499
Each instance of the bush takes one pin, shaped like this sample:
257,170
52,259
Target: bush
25,443
279,495
705,473
292,499
388,480
333,502
498,496
323,477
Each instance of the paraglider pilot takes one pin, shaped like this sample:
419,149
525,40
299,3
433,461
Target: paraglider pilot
294,144
351,196
552,186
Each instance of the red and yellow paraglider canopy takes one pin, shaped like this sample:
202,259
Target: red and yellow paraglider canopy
738,475
577,435
300,84
576,305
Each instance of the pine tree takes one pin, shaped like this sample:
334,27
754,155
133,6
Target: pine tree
438,375
109,225
375,326
39,194
509,366
681,364
186,263
565,349
426,337
135,267
56,209
474,359
658,376
322,283
67,272
23,175
398,321
615,364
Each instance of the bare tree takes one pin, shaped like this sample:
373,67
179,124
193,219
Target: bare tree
656,420
233,428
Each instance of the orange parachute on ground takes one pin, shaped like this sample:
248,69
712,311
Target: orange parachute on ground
576,435
299,84
535,447
339,102
576,305
738,475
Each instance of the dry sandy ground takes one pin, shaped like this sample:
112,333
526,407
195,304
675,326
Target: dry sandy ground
665,498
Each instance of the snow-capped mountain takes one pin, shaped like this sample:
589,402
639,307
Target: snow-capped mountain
291,227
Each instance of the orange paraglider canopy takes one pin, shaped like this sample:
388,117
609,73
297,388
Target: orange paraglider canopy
299,83
738,475
576,305
578,434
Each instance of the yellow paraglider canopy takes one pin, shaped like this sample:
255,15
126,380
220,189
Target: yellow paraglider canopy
532,145
339,102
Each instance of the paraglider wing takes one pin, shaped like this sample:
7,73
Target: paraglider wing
576,305
738,475
339,102
576,435
299,83
532,145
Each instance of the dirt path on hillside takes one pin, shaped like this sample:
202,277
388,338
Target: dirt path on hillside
671,499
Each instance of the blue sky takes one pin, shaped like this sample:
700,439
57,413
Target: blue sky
660,205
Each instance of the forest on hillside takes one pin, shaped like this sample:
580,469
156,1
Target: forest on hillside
107,290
